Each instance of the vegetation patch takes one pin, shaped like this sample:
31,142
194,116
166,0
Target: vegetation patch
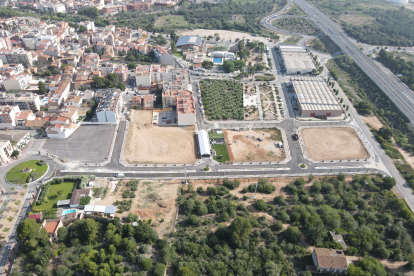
293,39
223,99
26,172
324,44
221,150
52,192
297,25
171,21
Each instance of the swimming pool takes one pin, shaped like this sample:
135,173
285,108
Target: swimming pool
68,211
217,59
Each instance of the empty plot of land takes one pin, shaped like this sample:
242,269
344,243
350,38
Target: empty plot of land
245,145
88,144
335,143
147,143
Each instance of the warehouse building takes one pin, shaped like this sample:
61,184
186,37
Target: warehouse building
189,42
296,60
203,144
314,97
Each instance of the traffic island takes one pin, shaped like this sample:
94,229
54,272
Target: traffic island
27,172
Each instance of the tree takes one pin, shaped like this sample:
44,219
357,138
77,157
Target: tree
13,143
59,193
146,264
228,66
42,87
239,63
49,214
132,65
224,217
15,153
385,133
173,47
366,267
388,182
159,269
184,271
271,269
260,205
62,234
30,236
292,234
85,200
208,65
92,12
82,29
239,231
63,270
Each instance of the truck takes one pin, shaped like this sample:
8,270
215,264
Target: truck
296,136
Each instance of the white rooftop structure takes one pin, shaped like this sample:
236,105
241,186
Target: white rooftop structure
203,143
315,97
296,60
99,208
249,100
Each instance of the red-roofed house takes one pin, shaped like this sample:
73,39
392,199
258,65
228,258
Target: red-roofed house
37,217
52,227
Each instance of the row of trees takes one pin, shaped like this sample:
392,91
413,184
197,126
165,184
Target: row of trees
110,81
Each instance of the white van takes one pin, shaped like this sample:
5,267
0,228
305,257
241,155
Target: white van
120,175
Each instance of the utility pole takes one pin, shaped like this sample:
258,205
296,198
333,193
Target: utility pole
255,190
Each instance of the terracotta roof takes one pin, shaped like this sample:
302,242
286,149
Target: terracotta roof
51,226
330,258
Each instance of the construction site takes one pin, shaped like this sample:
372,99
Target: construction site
255,145
151,144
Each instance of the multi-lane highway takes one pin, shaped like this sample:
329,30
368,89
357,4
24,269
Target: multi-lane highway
399,93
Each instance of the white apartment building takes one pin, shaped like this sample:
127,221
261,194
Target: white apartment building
89,25
6,151
16,82
25,101
18,56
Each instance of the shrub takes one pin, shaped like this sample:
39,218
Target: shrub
260,205
41,163
85,200
263,186
231,184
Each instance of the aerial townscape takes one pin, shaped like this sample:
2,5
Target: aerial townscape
207,138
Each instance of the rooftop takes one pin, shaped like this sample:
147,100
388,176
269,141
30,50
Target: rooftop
330,258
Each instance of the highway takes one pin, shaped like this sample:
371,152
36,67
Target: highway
399,93
402,97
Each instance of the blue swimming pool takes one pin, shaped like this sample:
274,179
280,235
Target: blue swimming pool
217,60
68,211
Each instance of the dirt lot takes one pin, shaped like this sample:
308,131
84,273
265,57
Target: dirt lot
226,35
154,200
373,121
152,144
333,144
246,147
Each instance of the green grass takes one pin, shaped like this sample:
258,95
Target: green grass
215,135
179,54
52,197
221,150
16,176
171,21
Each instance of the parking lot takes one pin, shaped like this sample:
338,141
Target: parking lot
88,144
164,117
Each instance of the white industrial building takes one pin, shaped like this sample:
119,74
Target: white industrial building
203,144
296,60
314,97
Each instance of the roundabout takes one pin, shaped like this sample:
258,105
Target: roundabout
27,172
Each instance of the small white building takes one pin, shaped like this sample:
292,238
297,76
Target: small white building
250,100
204,144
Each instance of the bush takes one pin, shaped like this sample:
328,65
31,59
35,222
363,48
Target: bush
263,186
231,184
85,200
41,163
260,205
146,264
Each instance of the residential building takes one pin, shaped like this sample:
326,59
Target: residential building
148,101
186,110
109,102
329,261
6,151
52,227
77,195
60,131
18,56
8,116
162,56
25,101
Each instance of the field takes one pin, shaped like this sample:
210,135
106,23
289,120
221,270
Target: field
245,146
296,25
16,176
52,196
171,21
151,144
154,200
221,150
293,39
223,99
333,144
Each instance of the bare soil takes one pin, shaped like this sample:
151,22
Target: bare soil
373,121
333,144
154,200
250,149
147,143
357,19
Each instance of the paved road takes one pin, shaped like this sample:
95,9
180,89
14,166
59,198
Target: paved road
399,93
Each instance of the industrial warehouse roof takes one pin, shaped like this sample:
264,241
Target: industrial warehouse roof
203,142
313,93
296,58
189,40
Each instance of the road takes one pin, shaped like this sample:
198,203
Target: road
389,83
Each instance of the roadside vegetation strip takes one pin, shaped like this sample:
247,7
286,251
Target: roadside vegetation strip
368,99
52,193
296,25
26,172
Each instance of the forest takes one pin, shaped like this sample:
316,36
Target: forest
222,99
398,65
297,25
